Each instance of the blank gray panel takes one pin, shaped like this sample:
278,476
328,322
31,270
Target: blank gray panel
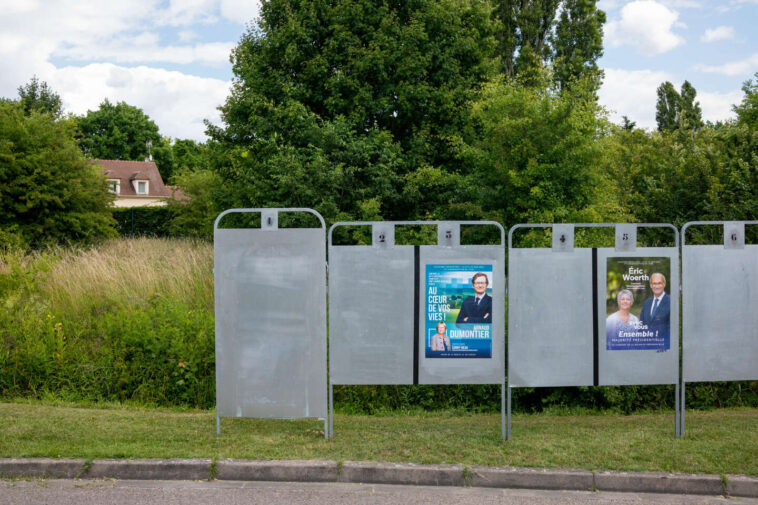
371,314
633,367
549,318
270,322
465,370
720,317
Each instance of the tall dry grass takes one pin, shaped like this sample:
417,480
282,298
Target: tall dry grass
130,271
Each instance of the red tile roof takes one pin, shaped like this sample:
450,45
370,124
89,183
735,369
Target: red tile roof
128,171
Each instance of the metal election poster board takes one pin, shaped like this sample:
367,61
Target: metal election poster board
430,314
719,301
582,316
270,298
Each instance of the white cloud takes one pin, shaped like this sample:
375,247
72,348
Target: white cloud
718,106
34,34
740,67
240,11
177,102
718,33
682,4
145,48
646,24
187,35
632,93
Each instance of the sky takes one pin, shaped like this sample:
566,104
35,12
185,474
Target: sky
171,57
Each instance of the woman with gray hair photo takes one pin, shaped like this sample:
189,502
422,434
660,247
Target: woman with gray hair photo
622,319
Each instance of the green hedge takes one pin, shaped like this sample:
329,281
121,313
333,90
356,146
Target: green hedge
143,221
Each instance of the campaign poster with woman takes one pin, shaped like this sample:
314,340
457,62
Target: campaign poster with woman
638,306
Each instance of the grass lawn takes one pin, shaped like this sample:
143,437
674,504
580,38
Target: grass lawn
720,441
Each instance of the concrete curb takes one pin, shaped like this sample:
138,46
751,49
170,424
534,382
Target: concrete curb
402,473
295,471
654,482
380,473
150,469
739,485
47,468
534,478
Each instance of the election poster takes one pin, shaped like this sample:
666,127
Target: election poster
458,311
638,304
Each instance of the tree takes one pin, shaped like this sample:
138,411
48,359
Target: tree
539,155
118,132
578,43
189,155
528,38
523,28
747,110
679,174
37,96
48,190
378,88
628,124
675,111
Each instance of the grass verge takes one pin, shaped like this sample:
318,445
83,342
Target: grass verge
717,442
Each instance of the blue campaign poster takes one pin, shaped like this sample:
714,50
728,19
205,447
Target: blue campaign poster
458,311
638,304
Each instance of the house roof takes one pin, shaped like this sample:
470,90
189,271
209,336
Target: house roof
128,171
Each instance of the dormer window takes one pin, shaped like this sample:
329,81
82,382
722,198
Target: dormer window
114,186
141,187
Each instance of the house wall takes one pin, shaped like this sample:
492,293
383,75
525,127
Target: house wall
139,201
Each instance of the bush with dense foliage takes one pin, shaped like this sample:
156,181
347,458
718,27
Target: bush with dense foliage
48,191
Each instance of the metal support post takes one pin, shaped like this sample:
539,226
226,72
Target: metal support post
508,429
331,410
677,413
681,402
502,410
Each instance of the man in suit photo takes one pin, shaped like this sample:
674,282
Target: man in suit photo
656,311
478,308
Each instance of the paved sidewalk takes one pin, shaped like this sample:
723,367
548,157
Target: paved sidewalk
380,473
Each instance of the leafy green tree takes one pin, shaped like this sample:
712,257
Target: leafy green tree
118,132
48,190
163,155
529,37
667,107
682,175
578,43
539,155
690,114
747,110
677,110
523,30
195,215
37,96
337,104
628,124
189,155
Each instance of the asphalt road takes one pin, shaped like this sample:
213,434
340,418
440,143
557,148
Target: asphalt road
105,492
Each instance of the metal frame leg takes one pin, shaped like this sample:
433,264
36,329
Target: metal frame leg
502,411
331,410
218,425
681,416
508,430
677,412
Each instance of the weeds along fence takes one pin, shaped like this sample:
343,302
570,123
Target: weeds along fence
132,320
